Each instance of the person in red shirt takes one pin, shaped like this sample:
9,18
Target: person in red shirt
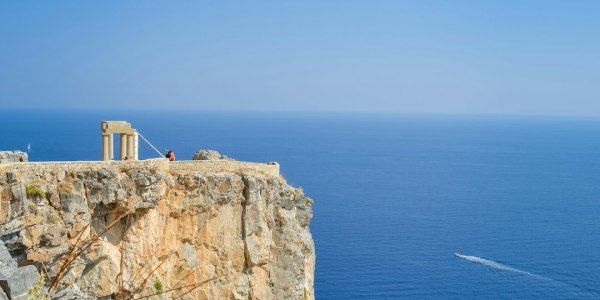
170,155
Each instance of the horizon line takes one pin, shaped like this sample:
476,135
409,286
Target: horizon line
315,112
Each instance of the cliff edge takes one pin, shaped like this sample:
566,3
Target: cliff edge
155,229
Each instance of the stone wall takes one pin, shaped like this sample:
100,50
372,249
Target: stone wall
158,164
13,156
203,229
239,167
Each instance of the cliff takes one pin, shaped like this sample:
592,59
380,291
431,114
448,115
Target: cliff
129,229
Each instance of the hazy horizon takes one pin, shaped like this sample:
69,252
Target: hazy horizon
412,57
110,111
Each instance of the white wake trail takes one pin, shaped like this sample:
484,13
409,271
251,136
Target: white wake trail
580,294
497,265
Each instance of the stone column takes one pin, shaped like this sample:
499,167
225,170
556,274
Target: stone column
130,144
111,148
105,142
135,146
123,146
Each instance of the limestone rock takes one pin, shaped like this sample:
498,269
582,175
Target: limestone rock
102,186
234,230
13,156
16,282
6,261
188,253
71,292
209,155
3,295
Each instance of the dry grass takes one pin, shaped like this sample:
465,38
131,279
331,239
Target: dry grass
33,190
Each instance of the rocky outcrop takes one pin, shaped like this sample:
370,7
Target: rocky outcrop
15,281
13,156
197,229
209,155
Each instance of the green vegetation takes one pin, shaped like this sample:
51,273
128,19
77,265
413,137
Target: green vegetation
158,285
36,292
305,294
34,190
310,200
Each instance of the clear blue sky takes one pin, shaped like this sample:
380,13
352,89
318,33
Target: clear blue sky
498,57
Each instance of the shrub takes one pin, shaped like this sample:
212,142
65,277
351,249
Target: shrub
36,292
309,200
34,190
158,285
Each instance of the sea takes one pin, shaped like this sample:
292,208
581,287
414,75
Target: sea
405,206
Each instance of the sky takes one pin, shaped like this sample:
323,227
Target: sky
458,57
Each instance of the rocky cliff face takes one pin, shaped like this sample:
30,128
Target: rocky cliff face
197,229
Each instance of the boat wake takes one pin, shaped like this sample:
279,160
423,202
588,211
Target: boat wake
577,293
499,266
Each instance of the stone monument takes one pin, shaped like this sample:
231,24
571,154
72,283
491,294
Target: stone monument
128,140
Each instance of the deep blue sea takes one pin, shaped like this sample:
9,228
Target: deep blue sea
396,196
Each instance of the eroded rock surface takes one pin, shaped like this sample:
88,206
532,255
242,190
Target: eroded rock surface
15,281
205,231
209,155
13,156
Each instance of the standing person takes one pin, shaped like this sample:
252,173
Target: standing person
170,155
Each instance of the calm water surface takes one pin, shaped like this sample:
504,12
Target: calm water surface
397,196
